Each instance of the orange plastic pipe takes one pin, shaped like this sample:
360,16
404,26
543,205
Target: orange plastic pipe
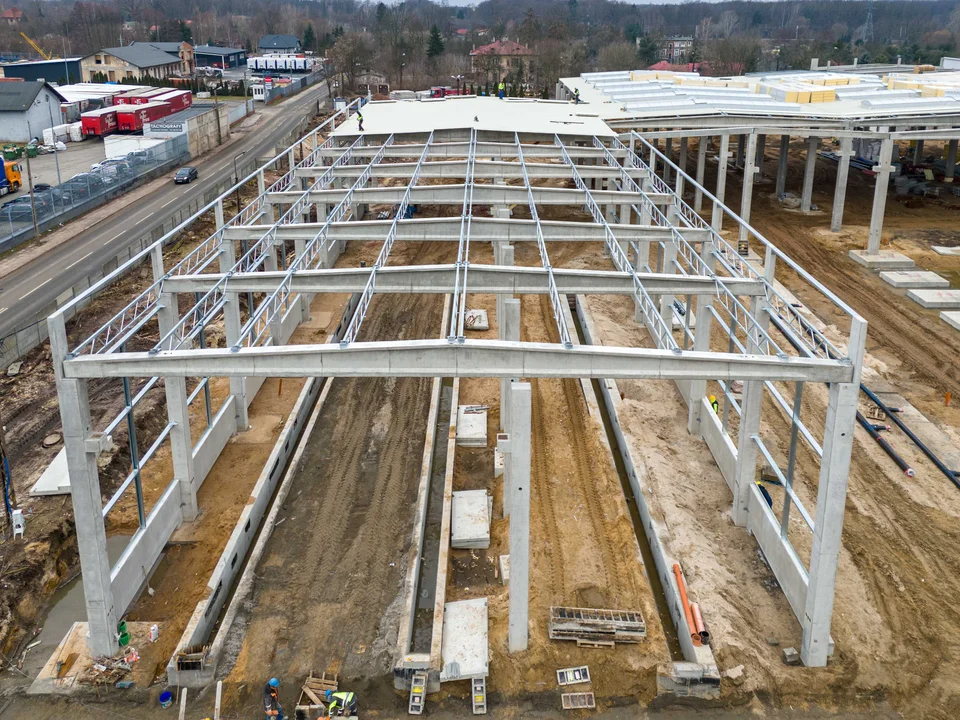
694,635
698,623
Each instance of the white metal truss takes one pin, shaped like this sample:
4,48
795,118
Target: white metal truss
463,249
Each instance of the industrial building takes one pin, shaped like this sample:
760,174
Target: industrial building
221,57
27,109
58,71
528,344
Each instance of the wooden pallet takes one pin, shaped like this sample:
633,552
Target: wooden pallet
573,675
479,696
578,701
418,694
314,689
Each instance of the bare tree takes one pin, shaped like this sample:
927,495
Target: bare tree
704,30
727,24
617,56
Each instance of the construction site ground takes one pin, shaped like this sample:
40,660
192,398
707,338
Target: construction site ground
891,622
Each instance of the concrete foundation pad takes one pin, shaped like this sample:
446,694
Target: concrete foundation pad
951,318
472,426
55,480
936,299
465,645
74,645
914,279
885,260
943,250
470,520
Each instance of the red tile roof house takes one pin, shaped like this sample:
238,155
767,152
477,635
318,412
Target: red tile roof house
11,16
501,57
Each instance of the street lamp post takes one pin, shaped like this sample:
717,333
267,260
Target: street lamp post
236,178
56,155
403,58
33,199
458,78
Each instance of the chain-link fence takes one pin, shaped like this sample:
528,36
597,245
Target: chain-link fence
55,204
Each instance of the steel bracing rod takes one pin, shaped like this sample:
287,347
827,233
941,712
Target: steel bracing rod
662,334
142,308
258,326
463,249
558,316
353,329
737,266
195,319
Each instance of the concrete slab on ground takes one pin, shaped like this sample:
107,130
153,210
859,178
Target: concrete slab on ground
944,250
470,519
884,260
936,299
55,480
466,647
472,426
914,279
76,159
951,318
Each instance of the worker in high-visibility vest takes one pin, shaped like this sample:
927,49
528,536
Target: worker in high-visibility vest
714,404
500,89
341,703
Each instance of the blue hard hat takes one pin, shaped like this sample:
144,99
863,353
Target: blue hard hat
274,682
329,694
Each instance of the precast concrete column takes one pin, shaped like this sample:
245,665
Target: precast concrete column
806,200
520,420
633,143
701,342
81,451
683,165
831,501
218,213
668,152
741,145
557,90
653,156
299,246
669,268
840,191
761,149
918,152
951,161
782,164
749,171
181,444
701,166
231,328
716,220
883,168
509,330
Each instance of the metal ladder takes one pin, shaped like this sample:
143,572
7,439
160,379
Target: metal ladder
418,693
479,696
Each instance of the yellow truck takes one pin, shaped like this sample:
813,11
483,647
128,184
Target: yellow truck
12,179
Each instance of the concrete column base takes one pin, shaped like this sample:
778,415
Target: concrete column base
883,260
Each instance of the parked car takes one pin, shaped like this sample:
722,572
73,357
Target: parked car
139,157
185,175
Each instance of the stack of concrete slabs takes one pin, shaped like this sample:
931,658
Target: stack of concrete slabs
470,520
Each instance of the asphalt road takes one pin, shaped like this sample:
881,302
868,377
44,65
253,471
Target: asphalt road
32,287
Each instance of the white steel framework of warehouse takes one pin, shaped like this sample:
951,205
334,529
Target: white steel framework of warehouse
711,317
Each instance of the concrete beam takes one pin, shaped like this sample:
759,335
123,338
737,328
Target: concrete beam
519,459
460,149
432,279
453,195
481,230
471,358
484,170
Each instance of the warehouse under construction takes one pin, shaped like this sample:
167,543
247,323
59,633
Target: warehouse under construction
503,398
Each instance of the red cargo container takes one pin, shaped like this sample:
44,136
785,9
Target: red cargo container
140,97
178,99
130,118
99,122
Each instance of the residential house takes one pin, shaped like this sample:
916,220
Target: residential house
676,49
278,44
27,108
132,61
500,58
182,50
12,16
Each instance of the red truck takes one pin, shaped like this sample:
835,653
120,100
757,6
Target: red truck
177,99
99,123
140,97
130,118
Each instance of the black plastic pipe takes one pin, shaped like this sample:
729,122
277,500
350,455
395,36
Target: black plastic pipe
871,431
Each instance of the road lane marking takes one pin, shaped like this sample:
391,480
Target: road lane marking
167,203
80,260
36,288
3,310
116,236
146,217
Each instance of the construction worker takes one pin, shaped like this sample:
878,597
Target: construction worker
576,96
341,703
271,700
714,404
500,89
360,120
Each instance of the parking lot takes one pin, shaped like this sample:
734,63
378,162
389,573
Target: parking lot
77,158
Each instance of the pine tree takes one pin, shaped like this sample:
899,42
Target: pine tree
309,38
435,44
